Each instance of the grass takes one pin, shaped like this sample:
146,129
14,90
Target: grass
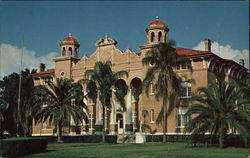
149,150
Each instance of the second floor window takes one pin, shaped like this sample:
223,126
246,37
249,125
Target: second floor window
152,119
186,90
151,89
184,65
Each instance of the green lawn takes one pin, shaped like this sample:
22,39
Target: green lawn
149,150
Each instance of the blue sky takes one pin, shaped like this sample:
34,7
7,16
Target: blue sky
42,25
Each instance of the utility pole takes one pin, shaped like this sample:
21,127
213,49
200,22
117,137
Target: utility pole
19,89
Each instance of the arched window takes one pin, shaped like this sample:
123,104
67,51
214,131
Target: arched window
152,37
63,51
160,37
70,51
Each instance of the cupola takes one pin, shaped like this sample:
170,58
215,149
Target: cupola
157,32
69,47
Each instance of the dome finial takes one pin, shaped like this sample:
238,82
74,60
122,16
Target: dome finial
157,17
70,35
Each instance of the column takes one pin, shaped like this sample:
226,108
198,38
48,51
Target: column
98,124
112,117
128,123
72,127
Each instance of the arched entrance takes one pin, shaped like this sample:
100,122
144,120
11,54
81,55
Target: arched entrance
119,119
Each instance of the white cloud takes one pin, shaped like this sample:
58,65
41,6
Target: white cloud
10,59
226,52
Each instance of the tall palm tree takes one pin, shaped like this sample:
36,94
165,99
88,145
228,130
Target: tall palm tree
64,99
136,91
219,108
105,79
161,59
26,106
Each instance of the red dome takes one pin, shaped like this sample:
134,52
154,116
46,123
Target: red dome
157,22
70,39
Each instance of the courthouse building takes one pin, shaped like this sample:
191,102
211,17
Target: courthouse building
201,68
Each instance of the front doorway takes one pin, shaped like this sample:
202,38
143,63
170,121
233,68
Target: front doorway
119,119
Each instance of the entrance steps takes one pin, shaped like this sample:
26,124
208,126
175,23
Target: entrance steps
126,138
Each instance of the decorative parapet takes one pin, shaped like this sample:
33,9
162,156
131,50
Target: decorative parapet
105,41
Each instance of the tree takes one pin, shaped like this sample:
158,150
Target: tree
2,108
136,90
105,81
9,94
26,106
220,107
161,60
58,101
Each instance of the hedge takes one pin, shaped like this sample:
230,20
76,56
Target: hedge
89,139
231,139
14,147
84,139
170,138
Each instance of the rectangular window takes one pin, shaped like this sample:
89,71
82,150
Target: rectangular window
178,67
151,89
189,66
184,66
189,92
181,117
73,102
152,118
91,121
133,117
186,89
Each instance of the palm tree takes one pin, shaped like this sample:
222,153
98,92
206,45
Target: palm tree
219,108
64,99
105,80
161,59
26,106
136,91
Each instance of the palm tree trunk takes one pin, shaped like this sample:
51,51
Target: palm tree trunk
164,118
1,130
103,123
59,135
222,135
25,128
25,132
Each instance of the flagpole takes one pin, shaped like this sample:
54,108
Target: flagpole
19,89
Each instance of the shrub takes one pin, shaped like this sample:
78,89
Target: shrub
84,139
90,139
170,138
14,147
